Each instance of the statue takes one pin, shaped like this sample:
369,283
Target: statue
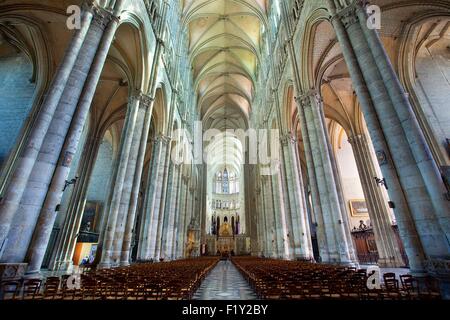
190,248
225,230
362,225
87,227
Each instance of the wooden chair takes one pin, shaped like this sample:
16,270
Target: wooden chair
390,281
391,286
410,286
31,288
51,288
10,290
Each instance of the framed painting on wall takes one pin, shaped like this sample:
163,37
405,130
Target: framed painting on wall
358,208
90,215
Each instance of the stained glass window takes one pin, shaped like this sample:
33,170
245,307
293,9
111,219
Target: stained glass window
225,182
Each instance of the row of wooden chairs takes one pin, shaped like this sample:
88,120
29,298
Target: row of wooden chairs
300,280
175,280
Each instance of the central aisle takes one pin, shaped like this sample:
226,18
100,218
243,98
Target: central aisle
225,282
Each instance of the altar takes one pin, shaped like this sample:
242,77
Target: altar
226,240
240,245
226,245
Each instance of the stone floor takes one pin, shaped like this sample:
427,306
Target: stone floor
225,282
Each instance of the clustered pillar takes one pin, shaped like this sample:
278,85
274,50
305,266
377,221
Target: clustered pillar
300,223
415,185
335,227
379,212
25,163
30,205
107,239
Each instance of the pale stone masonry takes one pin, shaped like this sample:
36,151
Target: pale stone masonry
140,75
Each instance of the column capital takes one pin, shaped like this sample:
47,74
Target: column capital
356,137
89,5
163,139
288,138
342,4
347,13
302,101
101,17
306,99
289,40
160,41
134,96
115,18
144,99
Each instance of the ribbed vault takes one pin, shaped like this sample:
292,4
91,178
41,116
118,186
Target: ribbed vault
224,52
225,38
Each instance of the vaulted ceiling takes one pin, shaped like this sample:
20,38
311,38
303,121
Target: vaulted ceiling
225,37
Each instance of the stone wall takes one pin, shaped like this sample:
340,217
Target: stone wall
16,99
99,182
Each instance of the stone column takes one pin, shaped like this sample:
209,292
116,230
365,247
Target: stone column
328,151
320,185
267,233
323,248
195,221
306,218
170,213
433,238
284,188
155,200
283,250
169,178
159,33
143,249
339,247
9,203
313,182
161,200
418,172
179,212
182,243
47,217
190,214
178,207
147,104
128,184
168,174
272,239
181,236
301,234
408,171
417,143
337,178
253,209
291,209
402,211
259,231
388,250
108,235
61,259
147,210
260,218
33,196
